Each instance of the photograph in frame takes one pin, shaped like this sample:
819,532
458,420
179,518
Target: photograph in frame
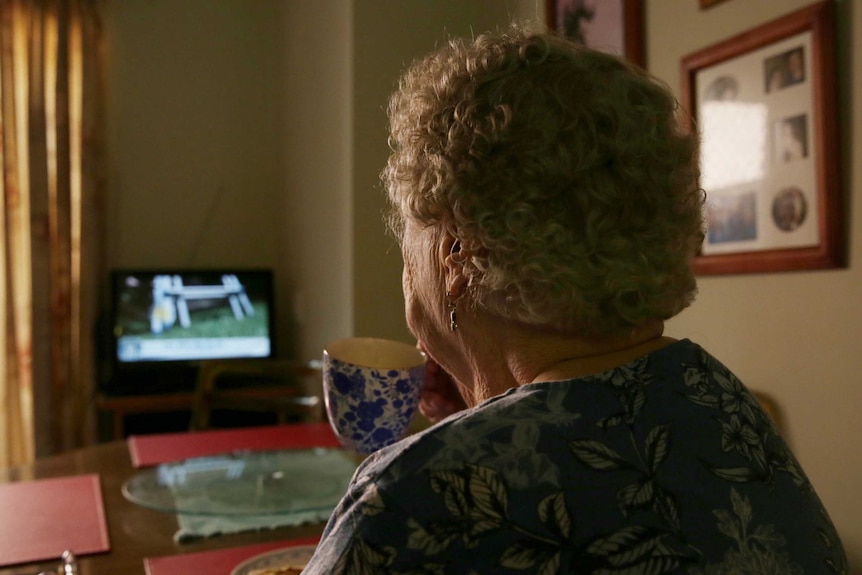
749,156
614,26
763,103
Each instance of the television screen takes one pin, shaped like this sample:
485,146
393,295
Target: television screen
191,315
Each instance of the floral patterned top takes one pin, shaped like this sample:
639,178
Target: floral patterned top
664,465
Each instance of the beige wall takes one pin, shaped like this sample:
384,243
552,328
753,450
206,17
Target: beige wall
794,335
252,132
316,83
195,131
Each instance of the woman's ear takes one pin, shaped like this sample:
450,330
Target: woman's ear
454,255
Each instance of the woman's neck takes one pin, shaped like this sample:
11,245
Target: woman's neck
573,367
511,356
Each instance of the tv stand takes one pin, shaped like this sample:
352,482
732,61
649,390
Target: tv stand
151,379
117,408
171,412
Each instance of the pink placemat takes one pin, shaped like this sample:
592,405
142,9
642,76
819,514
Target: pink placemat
148,450
41,518
219,562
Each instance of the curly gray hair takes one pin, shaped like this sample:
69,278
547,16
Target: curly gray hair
562,170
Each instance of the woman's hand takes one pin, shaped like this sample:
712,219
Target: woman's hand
440,395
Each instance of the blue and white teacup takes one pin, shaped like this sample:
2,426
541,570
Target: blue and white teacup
371,388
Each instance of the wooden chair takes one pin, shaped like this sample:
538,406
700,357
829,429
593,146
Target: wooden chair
770,406
292,390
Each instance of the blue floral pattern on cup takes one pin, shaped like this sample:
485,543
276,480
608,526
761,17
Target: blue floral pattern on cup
359,402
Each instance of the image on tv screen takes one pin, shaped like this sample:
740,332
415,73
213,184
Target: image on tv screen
192,315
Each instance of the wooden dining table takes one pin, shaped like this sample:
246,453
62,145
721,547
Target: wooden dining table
135,532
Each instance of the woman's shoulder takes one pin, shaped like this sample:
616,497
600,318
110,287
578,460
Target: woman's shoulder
541,419
559,404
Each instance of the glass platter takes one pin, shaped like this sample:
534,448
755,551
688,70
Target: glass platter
245,482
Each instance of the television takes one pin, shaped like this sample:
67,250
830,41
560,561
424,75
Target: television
164,322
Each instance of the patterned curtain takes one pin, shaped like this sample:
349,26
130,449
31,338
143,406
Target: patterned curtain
52,214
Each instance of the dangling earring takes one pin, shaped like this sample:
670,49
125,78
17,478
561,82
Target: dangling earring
450,305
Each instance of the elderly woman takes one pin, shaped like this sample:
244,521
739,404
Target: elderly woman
547,205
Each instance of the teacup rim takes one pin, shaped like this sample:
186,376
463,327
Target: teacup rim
417,357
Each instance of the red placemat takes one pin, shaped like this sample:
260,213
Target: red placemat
41,518
219,562
147,450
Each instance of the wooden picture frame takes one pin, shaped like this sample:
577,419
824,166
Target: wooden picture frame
612,25
709,3
765,103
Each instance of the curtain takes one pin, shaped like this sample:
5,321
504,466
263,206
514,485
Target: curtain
51,217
